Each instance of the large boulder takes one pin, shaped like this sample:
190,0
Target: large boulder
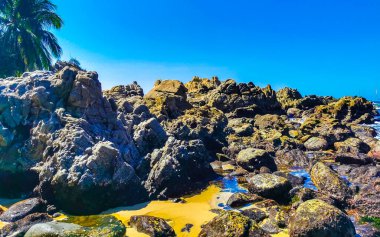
176,168
68,134
253,159
315,218
270,186
329,182
231,224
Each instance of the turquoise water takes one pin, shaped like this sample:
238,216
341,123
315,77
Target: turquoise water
376,125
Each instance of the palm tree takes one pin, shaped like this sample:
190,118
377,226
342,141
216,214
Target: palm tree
25,35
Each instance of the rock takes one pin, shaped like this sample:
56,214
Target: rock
368,199
375,151
90,193
187,228
269,121
94,226
316,144
291,158
317,218
270,186
23,209
243,100
231,224
352,145
205,123
253,159
68,141
350,158
294,180
359,174
354,110
241,199
328,181
123,91
269,226
202,85
167,99
254,214
288,97
149,135
152,226
20,227
184,162
56,229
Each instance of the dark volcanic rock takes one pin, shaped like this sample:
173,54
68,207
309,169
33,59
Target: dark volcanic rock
152,226
22,209
241,199
176,168
20,227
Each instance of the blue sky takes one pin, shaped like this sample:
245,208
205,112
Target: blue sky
325,47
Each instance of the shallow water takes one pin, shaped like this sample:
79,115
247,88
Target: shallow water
306,176
376,125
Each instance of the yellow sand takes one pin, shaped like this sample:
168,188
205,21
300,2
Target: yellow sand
2,224
196,211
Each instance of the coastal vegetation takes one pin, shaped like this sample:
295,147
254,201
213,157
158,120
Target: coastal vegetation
26,42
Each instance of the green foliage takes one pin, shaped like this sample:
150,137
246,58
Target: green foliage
75,62
375,221
25,40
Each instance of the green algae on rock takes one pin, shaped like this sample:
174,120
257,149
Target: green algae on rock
270,186
329,182
152,226
315,218
85,226
232,224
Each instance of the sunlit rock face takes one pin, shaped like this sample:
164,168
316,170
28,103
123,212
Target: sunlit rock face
60,127
85,150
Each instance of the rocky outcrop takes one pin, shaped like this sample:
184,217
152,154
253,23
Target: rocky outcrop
67,143
317,218
243,100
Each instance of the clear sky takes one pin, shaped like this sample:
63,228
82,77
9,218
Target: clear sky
325,47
